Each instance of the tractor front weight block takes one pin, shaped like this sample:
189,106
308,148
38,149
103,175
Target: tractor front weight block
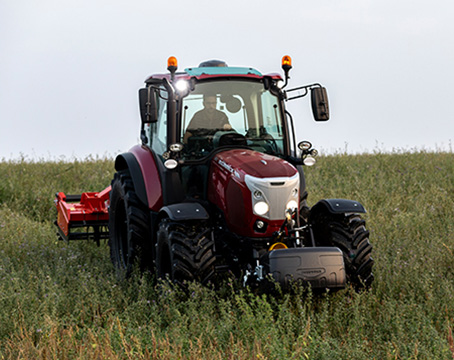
319,267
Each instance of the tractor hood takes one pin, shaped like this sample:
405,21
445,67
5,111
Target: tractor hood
250,187
241,162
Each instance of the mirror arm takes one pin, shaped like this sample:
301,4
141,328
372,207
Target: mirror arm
298,96
306,90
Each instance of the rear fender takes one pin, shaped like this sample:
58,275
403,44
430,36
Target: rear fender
145,176
129,161
338,206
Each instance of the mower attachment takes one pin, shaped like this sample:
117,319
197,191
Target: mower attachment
88,213
321,267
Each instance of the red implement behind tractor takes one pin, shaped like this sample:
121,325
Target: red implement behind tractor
217,186
89,210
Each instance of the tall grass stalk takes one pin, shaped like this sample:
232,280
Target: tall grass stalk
63,301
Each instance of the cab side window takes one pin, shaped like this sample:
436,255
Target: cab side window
156,133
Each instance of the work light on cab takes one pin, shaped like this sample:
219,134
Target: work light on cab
182,86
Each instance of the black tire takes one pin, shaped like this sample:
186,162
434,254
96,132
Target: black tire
185,253
349,234
129,226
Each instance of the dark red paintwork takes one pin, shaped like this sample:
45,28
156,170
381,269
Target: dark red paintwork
228,191
257,164
151,178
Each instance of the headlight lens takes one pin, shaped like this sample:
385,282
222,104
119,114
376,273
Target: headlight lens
182,86
309,161
171,164
261,208
176,147
292,205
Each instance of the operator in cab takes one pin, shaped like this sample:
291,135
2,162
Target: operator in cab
208,120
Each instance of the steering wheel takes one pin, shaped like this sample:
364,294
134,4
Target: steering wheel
269,139
231,137
200,132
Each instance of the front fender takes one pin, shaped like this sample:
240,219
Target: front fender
338,206
185,211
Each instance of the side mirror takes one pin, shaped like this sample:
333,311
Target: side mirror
320,107
148,105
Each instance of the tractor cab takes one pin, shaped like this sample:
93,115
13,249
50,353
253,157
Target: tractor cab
209,107
189,116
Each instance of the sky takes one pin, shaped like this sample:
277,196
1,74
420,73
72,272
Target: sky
70,70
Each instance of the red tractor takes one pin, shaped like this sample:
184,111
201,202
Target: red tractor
216,186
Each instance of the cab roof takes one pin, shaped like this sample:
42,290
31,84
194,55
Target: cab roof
221,70
205,72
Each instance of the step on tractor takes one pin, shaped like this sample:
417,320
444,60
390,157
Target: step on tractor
217,187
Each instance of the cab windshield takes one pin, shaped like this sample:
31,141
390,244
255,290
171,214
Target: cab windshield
230,113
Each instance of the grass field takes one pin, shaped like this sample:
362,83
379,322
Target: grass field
62,301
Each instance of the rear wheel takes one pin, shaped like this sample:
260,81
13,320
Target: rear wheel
129,225
349,234
185,253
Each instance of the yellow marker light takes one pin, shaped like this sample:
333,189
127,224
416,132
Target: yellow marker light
277,246
286,61
172,61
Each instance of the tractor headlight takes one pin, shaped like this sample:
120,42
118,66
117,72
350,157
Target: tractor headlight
171,164
176,147
309,161
292,205
261,208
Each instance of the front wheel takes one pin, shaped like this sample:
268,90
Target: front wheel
349,234
184,252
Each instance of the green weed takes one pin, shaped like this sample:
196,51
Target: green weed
63,301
